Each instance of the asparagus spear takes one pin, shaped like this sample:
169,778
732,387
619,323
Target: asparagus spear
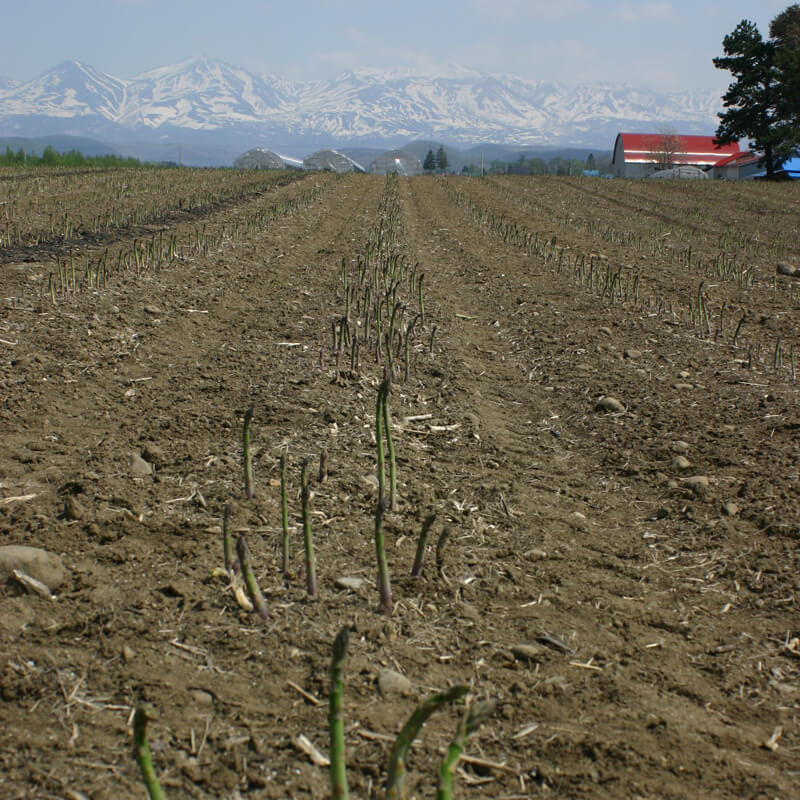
250,582
475,715
142,716
396,772
335,718
249,485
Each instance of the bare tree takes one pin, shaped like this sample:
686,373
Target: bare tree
666,148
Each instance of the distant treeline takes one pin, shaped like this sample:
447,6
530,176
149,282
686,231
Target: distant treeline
538,166
51,158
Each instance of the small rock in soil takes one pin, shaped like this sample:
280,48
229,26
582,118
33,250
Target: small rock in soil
469,612
40,564
202,697
393,683
528,652
73,510
632,354
680,447
681,463
154,454
699,484
784,268
153,310
536,554
606,331
683,387
138,467
609,404
730,509
349,584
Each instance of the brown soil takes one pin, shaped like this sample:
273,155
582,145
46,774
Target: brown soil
662,614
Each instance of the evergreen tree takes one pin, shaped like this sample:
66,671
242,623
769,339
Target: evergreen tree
590,162
49,156
756,102
785,32
441,159
429,164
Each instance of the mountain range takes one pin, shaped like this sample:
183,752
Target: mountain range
215,110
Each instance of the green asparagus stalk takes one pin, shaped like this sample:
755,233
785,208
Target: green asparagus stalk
416,570
142,716
249,485
250,582
227,546
384,585
398,758
475,715
387,430
284,519
335,717
311,564
440,543
323,465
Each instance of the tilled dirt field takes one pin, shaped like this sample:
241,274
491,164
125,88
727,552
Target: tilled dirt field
646,556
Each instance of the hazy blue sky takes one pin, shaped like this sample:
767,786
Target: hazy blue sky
655,43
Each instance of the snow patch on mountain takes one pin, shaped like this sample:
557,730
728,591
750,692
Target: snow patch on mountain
207,95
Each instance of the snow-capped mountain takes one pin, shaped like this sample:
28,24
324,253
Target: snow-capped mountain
209,98
70,89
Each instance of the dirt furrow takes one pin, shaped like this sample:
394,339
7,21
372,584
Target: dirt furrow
589,497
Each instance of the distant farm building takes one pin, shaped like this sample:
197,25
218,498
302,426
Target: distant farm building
680,173
397,161
331,161
739,167
790,169
258,158
637,155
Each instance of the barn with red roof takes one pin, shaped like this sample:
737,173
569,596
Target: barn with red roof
637,155
738,167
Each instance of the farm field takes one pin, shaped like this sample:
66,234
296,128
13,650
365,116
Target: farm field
594,390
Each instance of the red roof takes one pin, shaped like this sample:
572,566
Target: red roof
738,159
639,148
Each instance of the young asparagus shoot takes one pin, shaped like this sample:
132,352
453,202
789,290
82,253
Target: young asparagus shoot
441,542
284,519
323,465
387,430
227,546
422,542
249,485
311,564
473,718
335,717
141,717
398,758
384,585
250,582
